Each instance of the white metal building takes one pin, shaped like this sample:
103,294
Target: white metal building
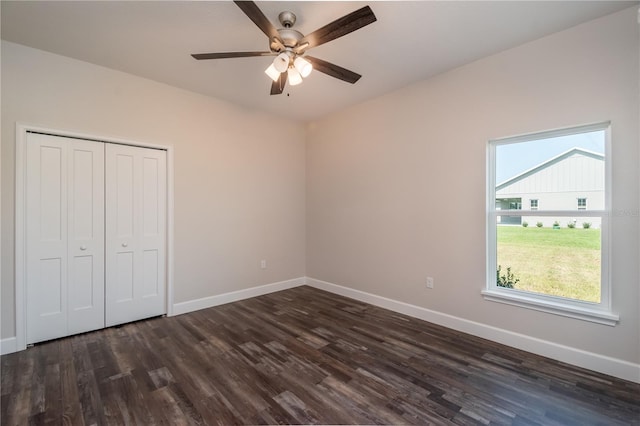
573,180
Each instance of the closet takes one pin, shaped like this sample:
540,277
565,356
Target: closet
95,235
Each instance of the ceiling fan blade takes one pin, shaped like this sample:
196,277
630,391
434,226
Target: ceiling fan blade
340,27
223,55
333,70
278,86
255,14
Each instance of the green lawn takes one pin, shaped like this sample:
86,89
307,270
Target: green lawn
561,262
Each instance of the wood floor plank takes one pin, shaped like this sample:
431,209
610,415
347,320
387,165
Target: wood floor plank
71,409
300,356
167,409
18,404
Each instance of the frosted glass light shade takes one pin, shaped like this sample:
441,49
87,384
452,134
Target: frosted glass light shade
294,77
281,62
303,66
272,72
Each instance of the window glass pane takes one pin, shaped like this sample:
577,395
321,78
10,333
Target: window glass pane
562,261
559,173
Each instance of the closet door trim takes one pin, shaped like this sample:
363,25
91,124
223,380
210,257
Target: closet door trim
20,217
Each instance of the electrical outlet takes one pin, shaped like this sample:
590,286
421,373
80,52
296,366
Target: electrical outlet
263,264
429,282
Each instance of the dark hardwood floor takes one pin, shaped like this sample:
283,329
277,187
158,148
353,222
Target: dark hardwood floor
300,356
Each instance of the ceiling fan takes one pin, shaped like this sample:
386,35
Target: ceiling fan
290,46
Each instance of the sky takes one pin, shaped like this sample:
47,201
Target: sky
513,159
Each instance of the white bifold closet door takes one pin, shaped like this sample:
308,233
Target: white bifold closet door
135,233
95,235
64,236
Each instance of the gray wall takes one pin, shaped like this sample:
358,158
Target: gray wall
396,186
239,188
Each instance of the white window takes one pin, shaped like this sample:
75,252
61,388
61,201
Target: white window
582,203
561,264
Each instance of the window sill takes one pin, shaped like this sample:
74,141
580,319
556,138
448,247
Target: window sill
552,307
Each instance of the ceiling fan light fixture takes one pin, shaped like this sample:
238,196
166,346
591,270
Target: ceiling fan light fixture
281,62
303,66
294,76
272,72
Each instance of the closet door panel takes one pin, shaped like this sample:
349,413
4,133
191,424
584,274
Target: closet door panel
50,189
153,225
121,180
135,229
65,238
151,285
46,236
86,236
122,286
81,284
121,219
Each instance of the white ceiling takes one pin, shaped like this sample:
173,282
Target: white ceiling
410,41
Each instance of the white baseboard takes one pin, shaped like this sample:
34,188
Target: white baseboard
234,296
8,345
592,361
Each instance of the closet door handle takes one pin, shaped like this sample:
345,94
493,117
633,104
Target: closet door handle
83,248
124,244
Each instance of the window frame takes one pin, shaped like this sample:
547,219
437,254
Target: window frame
533,201
588,311
582,201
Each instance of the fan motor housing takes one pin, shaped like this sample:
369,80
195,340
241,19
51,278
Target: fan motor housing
289,37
